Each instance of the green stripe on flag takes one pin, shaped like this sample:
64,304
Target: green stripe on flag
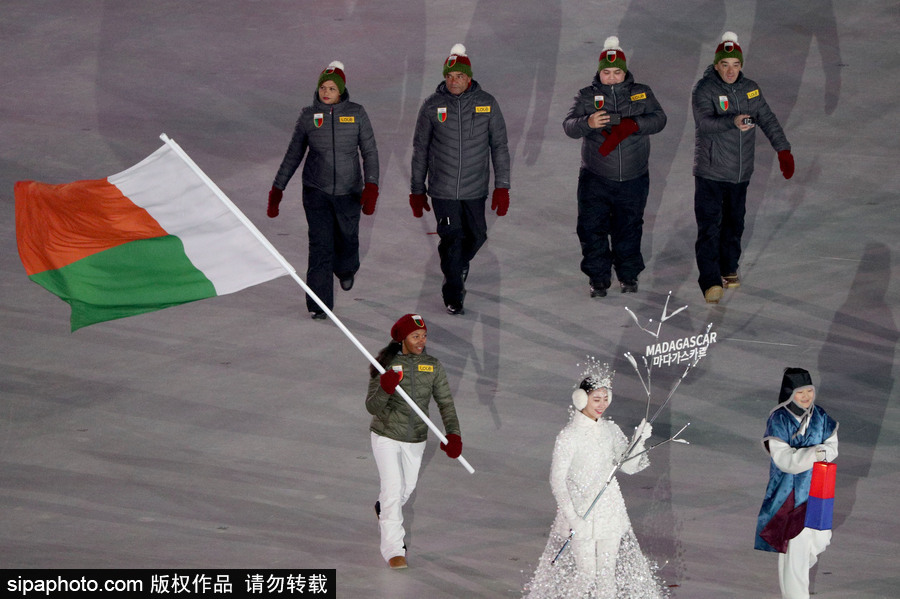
133,278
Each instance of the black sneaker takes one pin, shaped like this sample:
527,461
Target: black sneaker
347,283
455,309
319,315
598,291
628,286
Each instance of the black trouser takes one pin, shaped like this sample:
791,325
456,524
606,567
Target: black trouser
611,211
333,241
719,208
463,230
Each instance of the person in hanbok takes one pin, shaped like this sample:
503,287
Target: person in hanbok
798,434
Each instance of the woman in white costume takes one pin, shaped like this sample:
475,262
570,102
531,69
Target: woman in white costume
603,560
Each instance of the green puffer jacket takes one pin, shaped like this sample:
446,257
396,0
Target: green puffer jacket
423,378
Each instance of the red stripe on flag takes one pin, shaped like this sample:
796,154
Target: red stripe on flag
57,225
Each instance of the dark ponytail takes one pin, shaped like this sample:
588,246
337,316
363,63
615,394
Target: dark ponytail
385,356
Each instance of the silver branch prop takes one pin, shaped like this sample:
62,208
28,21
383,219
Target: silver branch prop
628,454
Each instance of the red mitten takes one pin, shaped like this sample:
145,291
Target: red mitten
390,379
418,202
500,201
274,199
453,446
786,162
368,199
617,133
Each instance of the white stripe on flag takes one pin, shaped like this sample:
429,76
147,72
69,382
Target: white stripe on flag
214,239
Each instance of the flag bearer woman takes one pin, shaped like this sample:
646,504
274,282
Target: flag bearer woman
398,434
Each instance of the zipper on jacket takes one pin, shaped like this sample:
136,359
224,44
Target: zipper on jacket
740,139
460,146
333,156
412,395
619,147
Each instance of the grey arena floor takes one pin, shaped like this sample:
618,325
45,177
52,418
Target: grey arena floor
231,432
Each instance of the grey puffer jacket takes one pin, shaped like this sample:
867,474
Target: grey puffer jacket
423,378
335,135
722,152
636,101
456,140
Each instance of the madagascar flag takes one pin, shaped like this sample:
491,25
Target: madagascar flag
156,235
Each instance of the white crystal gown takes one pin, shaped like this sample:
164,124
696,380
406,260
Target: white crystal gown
606,562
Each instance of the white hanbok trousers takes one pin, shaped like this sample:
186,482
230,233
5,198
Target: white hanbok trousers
802,554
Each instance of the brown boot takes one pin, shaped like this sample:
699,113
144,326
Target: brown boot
713,294
731,281
398,562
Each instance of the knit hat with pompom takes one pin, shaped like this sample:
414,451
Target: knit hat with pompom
334,72
458,61
612,56
728,48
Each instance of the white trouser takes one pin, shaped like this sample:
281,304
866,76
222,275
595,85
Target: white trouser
802,554
597,558
398,467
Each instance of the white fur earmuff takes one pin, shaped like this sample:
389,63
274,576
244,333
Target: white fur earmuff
579,399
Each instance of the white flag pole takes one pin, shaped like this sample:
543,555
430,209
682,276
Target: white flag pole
293,273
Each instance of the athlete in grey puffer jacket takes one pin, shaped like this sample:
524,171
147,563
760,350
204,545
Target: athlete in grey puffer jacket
456,154
345,133
614,117
727,107
331,133
722,152
629,99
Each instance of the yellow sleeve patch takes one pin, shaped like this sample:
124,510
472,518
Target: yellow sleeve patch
348,119
637,97
753,94
482,109
426,368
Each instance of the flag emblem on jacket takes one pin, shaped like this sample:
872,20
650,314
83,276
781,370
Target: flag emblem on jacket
442,114
318,119
723,102
598,102
399,370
